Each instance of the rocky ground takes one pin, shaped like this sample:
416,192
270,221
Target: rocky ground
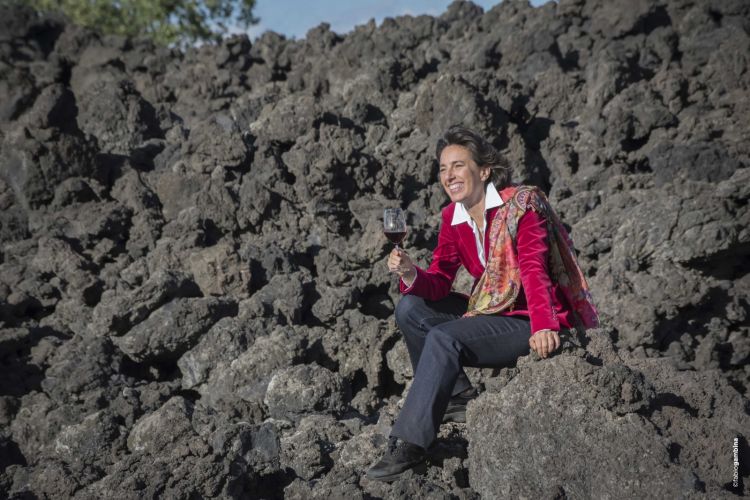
194,301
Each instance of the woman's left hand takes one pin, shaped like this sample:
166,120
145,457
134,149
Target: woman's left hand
544,342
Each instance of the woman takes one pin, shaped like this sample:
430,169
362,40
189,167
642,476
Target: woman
528,286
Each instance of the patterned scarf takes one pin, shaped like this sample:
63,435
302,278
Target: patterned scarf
498,287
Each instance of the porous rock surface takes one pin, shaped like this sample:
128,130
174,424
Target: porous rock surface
194,301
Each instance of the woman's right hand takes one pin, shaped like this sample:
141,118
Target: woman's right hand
400,263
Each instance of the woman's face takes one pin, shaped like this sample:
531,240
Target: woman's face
461,177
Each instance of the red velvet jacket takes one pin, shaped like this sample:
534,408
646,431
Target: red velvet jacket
539,299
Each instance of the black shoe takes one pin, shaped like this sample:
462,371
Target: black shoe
399,457
456,411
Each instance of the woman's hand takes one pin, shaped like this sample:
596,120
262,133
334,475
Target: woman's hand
544,342
400,263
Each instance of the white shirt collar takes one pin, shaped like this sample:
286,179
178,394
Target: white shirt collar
491,200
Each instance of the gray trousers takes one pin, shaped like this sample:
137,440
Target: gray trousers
440,343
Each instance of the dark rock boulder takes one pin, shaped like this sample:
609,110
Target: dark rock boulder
576,411
117,313
173,328
45,147
238,381
302,389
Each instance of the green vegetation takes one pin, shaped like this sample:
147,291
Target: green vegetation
166,21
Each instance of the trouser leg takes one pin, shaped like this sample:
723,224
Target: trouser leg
415,317
483,341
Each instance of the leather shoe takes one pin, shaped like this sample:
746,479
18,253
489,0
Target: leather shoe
456,411
399,457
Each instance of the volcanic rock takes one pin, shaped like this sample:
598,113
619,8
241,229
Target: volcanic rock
194,298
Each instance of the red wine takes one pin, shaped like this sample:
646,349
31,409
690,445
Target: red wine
396,237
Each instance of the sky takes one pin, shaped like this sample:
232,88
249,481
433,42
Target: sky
293,18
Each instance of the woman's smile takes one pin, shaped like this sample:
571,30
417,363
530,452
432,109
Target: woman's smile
455,187
460,176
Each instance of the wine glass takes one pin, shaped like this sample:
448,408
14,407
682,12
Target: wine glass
394,225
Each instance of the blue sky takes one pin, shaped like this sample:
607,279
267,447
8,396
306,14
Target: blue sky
293,18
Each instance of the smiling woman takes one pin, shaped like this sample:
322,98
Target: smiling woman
528,288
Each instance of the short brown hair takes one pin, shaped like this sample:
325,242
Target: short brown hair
482,152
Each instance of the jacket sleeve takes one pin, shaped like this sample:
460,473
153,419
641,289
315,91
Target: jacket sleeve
435,282
533,249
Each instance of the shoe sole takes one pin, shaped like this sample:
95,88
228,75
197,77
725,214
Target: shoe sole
418,468
458,417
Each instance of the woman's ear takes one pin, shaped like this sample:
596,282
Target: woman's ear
485,173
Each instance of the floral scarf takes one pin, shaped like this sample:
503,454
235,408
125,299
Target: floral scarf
498,286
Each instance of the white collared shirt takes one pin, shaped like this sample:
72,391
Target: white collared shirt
460,214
